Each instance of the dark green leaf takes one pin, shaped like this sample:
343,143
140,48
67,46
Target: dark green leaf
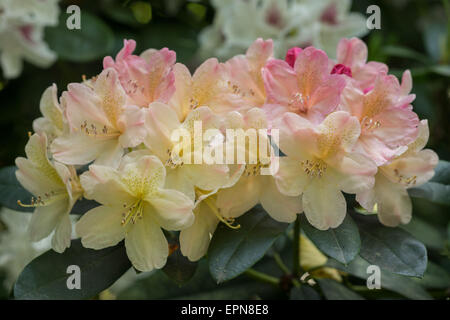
304,292
400,284
119,13
342,243
442,172
178,268
46,276
432,191
404,52
178,37
11,190
435,277
232,251
158,286
93,41
392,249
333,290
431,236
438,188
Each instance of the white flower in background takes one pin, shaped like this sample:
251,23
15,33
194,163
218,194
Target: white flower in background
22,24
238,23
16,249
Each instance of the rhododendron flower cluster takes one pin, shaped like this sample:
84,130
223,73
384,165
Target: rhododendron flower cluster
342,126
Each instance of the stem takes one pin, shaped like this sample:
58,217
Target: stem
296,267
263,277
281,264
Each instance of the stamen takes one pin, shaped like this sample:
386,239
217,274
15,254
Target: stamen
412,180
314,168
39,201
254,169
91,130
299,103
134,211
370,124
227,221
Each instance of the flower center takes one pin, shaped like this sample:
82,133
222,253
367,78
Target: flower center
369,124
299,103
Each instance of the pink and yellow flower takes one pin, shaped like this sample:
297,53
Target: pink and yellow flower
320,164
307,89
101,124
413,168
388,123
146,78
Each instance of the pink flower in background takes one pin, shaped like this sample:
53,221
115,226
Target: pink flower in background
145,78
308,89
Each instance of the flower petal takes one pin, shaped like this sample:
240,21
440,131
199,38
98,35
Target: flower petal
235,201
291,180
280,207
101,227
171,209
46,218
324,204
194,240
146,245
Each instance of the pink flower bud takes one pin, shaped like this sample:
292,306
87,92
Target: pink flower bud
291,55
341,69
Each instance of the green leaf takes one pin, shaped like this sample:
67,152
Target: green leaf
142,11
304,292
438,188
402,285
431,236
93,41
178,268
198,10
11,190
232,251
46,276
333,290
392,249
407,53
442,172
119,13
176,36
158,286
435,277
342,243
432,191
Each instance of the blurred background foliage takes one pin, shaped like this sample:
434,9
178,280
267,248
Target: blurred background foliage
414,34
